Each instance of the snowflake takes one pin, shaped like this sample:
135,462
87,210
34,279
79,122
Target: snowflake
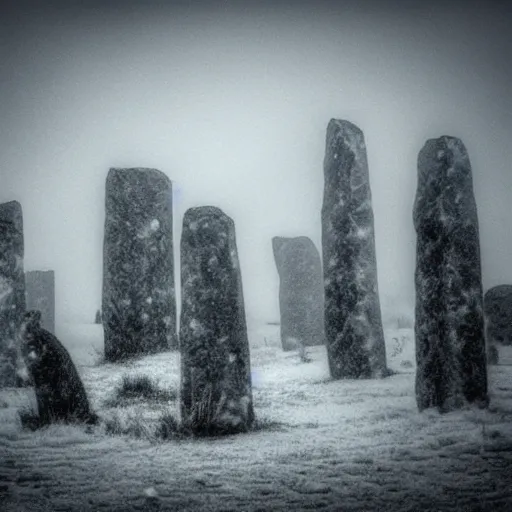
196,327
362,233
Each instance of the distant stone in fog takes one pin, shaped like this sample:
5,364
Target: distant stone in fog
450,346
498,314
216,396
353,323
301,292
139,304
12,288
40,296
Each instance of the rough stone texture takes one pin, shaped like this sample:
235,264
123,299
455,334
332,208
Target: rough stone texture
12,288
139,304
40,296
59,390
301,292
216,395
498,314
450,346
353,323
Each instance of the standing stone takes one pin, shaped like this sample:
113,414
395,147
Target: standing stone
353,323
301,292
498,314
139,305
216,395
12,288
40,296
449,329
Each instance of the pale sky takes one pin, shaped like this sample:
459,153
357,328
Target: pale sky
232,102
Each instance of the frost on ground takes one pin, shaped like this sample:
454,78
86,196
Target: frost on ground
321,445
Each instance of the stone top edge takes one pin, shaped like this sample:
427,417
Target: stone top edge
498,288
300,238
196,211
443,138
12,212
446,141
113,171
343,124
10,205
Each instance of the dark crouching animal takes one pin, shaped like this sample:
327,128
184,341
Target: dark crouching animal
60,393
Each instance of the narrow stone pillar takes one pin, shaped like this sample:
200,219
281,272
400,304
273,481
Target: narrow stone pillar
301,292
40,296
12,288
139,305
216,395
450,343
353,323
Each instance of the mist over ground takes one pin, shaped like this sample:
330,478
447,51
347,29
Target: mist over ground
232,101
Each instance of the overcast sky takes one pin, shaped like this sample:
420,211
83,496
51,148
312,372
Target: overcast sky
232,102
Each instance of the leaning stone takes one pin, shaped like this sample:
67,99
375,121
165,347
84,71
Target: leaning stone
301,292
450,345
59,390
40,296
353,323
12,288
139,305
216,396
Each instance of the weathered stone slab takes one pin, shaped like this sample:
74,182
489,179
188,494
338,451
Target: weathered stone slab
40,296
216,395
12,288
449,327
301,292
353,323
498,314
139,304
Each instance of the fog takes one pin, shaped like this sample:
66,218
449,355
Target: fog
232,103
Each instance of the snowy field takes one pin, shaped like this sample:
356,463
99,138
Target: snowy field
321,445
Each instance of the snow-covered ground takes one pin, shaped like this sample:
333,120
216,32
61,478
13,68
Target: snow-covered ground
323,445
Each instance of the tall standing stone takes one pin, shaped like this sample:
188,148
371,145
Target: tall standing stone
139,305
40,296
301,291
216,395
449,329
12,288
353,323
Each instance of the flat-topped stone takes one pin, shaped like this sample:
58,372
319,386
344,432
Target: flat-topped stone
139,304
